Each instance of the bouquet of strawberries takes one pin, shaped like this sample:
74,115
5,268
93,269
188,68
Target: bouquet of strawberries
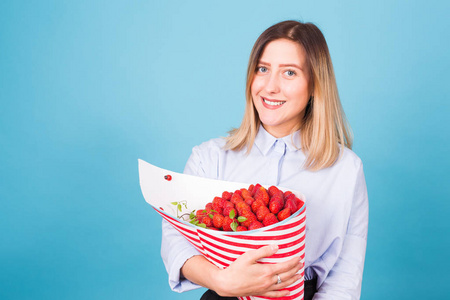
225,219
246,209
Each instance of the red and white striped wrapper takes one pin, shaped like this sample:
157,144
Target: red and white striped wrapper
162,187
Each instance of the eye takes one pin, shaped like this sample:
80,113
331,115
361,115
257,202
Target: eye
262,69
290,73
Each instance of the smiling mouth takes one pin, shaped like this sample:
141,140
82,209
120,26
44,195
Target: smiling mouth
272,102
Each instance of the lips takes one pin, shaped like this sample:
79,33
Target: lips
271,103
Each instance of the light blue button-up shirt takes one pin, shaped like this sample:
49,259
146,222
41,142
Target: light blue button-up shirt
336,208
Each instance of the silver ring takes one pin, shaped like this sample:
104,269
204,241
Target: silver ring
279,279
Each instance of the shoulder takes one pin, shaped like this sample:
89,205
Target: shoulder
348,162
217,143
211,147
351,157
205,158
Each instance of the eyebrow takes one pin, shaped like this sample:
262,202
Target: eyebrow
283,65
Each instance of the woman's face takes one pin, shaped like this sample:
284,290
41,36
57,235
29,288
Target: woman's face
280,88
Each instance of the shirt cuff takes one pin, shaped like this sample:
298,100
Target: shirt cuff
176,250
178,283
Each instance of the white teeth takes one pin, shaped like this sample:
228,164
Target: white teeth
274,103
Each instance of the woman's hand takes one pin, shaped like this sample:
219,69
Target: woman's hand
245,276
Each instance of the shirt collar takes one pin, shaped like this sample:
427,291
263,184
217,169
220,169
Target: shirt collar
265,141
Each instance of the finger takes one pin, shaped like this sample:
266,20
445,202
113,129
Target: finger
286,282
287,276
292,272
262,252
293,263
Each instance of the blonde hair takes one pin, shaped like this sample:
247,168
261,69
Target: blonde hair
324,126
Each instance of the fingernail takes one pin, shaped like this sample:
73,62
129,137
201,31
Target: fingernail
274,247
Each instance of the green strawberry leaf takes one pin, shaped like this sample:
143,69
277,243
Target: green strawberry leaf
179,207
242,219
195,222
192,215
201,225
174,203
234,225
211,216
232,214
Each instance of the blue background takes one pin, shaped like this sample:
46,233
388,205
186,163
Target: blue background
88,87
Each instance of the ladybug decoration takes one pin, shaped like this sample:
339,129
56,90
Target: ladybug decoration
168,177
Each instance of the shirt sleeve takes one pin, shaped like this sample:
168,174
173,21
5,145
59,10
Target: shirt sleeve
345,277
175,249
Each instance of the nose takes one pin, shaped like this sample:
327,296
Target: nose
272,84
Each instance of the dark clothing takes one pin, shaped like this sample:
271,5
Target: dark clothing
211,295
310,288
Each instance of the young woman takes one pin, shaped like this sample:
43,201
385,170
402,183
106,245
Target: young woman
294,135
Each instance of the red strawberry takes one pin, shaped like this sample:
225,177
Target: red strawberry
246,211
218,210
255,225
262,212
291,204
239,192
250,189
241,228
226,196
256,204
208,207
287,193
290,196
251,217
273,190
200,214
228,204
227,223
218,220
241,206
270,219
245,193
255,188
299,202
278,197
249,200
284,214
261,194
235,198
227,211
275,205
249,220
207,221
216,201
218,204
